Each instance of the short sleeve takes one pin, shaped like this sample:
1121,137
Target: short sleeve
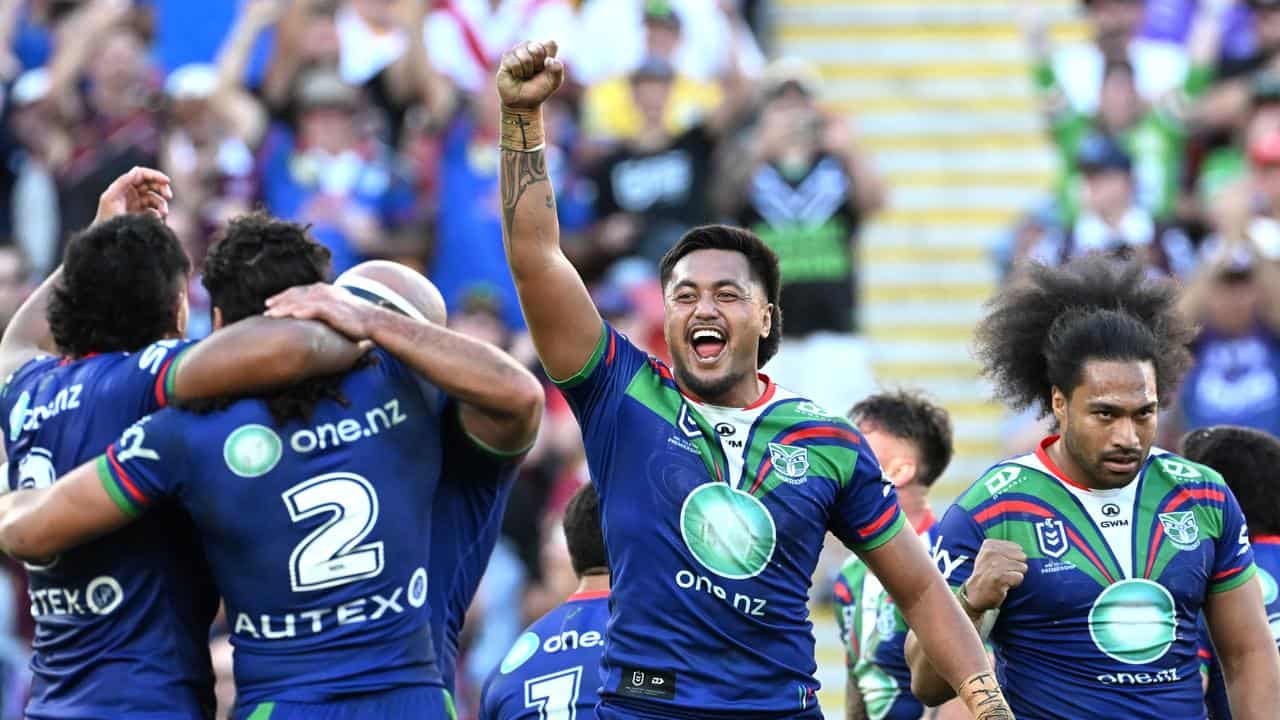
1233,555
866,513
848,601
152,372
959,539
138,470
595,391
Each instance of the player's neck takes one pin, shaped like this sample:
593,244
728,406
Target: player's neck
593,584
1067,466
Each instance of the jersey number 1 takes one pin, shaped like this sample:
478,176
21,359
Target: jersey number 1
556,695
332,554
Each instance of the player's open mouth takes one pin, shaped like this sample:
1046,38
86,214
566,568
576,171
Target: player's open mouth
708,344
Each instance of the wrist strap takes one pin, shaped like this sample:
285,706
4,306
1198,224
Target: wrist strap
521,130
984,699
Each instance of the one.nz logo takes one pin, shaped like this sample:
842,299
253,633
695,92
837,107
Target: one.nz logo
1052,537
1181,527
791,463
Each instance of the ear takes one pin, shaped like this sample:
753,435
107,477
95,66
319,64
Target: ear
901,471
767,325
217,318
1059,404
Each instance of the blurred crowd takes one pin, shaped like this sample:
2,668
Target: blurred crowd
375,122
1166,124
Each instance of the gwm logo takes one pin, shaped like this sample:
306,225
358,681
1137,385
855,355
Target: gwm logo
791,463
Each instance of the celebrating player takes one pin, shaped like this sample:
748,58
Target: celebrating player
552,670
313,504
122,625
1247,460
1098,550
475,481
716,486
911,437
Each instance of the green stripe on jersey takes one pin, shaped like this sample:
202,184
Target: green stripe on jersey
1232,583
263,711
591,364
171,375
448,704
113,488
648,389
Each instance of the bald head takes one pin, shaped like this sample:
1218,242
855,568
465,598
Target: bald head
396,287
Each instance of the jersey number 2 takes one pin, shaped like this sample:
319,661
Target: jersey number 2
556,695
332,555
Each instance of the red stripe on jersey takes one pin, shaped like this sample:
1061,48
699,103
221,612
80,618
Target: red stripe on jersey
1266,539
1011,506
766,396
761,474
613,348
1151,552
879,523
842,593
1204,654
588,595
1084,550
1228,573
805,434
1185,494
161,398
123,477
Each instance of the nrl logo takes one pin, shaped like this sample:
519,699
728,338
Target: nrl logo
1181,527
1052,537
792,463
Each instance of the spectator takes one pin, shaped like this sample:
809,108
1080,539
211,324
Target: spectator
653,187
465,38
1157,66
327,171
1111,221
611,107
614,38
39,149
1236,377
1154,134
804,186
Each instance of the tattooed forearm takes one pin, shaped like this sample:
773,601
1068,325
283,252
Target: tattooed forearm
981,694
520,172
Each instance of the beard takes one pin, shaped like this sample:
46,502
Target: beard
1099,477
710,388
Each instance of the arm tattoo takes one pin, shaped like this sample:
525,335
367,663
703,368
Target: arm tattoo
983,696
520,171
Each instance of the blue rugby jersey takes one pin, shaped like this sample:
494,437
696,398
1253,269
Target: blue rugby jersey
470,501
714,519
553,669
1105,622
1266,554
316,532
122,623
874,635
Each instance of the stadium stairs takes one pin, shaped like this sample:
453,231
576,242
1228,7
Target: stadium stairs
941,96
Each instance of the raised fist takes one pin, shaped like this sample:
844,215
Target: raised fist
529,74
1000,566
137,191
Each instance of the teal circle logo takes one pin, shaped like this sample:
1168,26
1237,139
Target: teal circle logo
18,415
252,450
1270,591
524,648
729,531
1134,621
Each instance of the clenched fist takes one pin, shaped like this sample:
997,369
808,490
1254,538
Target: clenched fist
529,74
1000,566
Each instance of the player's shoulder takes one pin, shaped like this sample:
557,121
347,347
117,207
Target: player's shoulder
1179,471
1022,474
814,420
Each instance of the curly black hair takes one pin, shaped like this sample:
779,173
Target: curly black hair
911,417
1039,332
121,281
1247,459
763,262
259,256
582,531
